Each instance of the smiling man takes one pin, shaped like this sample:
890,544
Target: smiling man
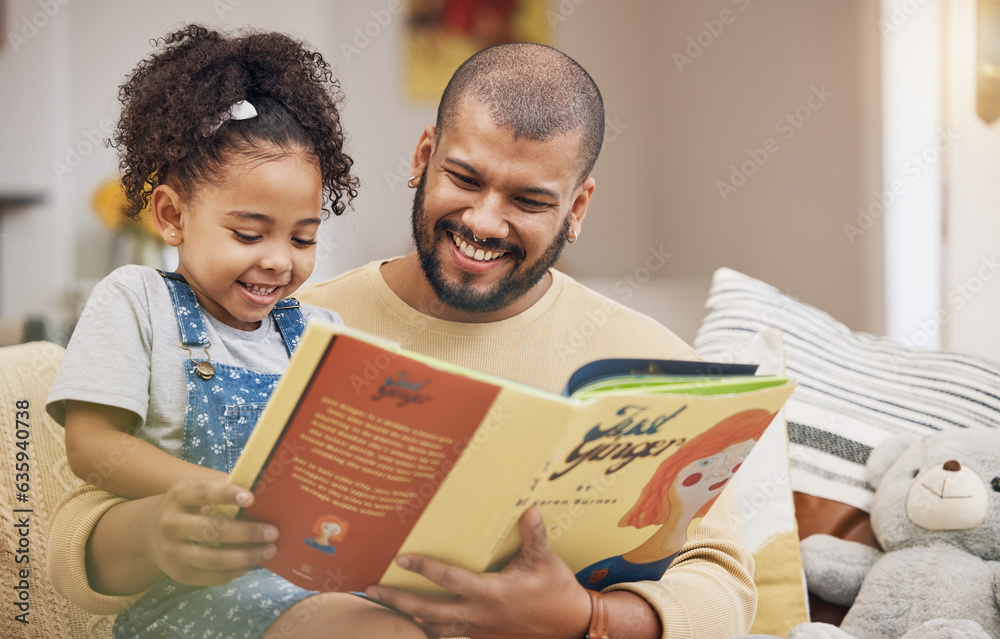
498,214
502,186
499,192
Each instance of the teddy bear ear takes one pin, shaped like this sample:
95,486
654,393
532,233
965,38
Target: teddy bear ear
884,455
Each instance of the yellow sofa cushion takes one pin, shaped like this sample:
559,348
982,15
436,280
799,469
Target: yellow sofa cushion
34,475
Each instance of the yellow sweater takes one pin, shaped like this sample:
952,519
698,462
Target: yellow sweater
707,593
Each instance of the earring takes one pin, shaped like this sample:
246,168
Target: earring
173,235
572,236
410,183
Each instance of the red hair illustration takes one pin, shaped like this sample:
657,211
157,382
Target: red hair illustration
653,505
317,528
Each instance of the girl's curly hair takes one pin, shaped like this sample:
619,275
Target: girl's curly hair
173,103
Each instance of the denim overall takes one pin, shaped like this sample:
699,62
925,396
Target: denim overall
222,407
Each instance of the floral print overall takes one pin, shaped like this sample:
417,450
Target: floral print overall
220,413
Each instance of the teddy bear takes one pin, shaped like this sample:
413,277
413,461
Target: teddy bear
936,515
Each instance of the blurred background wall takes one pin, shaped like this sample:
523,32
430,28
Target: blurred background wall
763,135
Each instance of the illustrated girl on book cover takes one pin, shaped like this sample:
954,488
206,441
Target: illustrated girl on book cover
328,529
683,488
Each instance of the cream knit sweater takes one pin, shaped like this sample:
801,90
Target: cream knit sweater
707,593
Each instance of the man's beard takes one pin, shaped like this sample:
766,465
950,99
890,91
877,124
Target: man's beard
462,295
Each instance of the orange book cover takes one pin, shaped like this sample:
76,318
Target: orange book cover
366,451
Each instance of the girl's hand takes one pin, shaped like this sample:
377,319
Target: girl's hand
189,545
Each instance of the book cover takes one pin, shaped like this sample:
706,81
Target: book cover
366,451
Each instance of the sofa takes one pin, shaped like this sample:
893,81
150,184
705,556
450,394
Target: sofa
33,483
854,389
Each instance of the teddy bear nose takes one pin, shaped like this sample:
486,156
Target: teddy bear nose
952,466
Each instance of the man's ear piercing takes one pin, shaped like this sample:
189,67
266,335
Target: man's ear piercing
410,183
572,236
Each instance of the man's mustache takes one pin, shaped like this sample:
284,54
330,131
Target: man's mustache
489,243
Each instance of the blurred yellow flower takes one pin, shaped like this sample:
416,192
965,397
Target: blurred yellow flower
109,201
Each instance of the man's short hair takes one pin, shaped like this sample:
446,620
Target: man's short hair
533,90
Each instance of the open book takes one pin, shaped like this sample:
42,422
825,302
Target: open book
366,451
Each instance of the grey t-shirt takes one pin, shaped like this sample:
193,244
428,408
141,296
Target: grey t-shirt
125,352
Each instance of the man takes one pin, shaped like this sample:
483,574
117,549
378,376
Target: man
502,184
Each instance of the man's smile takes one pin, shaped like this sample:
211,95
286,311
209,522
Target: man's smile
474,252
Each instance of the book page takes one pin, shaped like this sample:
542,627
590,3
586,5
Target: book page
635,473
372,435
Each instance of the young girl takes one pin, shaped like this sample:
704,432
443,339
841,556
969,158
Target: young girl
235,145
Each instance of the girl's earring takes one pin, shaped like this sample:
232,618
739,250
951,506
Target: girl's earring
173,235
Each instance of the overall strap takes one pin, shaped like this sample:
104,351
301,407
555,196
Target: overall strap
190,321
291,322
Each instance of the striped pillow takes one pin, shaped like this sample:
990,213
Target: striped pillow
854,389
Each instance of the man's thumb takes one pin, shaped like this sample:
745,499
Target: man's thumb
534,539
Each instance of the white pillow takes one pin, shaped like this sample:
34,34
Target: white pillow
766,508
854,389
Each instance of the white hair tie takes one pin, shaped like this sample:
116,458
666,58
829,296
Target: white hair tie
241,110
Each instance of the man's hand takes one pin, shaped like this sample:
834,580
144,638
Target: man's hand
535,595
184,540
